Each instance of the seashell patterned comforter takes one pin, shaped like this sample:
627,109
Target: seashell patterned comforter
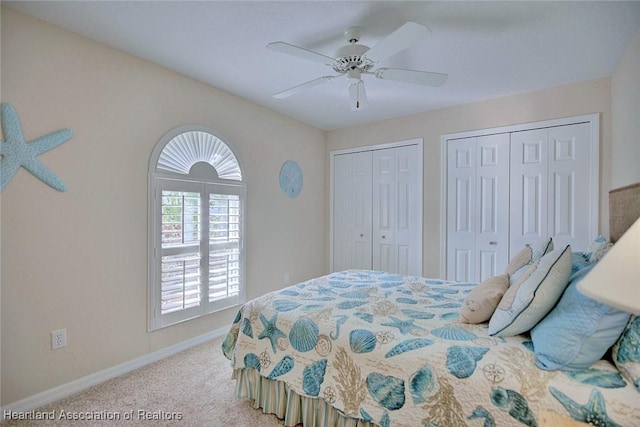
389,350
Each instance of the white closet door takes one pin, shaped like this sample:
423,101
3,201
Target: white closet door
352,214
397,239
478,207
384,210
492,212
569,219
529,195
461,208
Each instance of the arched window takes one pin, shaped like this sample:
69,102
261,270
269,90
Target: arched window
196,233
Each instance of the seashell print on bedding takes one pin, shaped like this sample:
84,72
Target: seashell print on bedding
364,316
481,412
452,315
282,367
462,361
362,341
386,390
348,305
408,345
313,376
516,405
252,361
417,314
355,294
285,305
422,384
246,327
367,360
304,335
406,301
454,333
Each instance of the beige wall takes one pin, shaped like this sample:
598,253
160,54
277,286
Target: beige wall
625,115
565,101
78,260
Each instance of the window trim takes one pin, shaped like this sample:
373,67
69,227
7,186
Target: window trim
160,180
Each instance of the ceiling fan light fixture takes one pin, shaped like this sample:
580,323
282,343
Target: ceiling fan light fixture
354,60
354,76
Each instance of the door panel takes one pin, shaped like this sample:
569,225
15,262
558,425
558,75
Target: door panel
397,210
529,195
461,207
569,186
492,215
384,210
352,211
408,210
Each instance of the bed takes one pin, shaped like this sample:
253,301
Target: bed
369,348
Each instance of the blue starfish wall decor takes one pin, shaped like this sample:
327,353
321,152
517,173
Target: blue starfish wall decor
16,152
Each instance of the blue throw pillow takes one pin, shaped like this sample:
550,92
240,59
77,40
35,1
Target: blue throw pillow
578,261
626,352
578,331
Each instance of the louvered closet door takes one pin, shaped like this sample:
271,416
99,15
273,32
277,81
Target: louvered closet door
352,214
396,210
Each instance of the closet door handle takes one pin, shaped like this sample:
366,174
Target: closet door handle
361,235
384,237
493,243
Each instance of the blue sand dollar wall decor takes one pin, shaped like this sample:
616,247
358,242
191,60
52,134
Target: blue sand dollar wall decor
17,152
291,179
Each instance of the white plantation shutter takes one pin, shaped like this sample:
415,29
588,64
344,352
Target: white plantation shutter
224,246
180,264
196,234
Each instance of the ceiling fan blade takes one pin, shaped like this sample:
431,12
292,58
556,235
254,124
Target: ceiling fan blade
400,39
300,52
410,76
358,96
304,86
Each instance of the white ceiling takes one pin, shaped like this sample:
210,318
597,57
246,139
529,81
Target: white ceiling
489,49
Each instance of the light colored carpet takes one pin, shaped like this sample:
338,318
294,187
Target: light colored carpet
196,384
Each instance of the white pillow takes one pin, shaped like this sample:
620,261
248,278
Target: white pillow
532,295
530,254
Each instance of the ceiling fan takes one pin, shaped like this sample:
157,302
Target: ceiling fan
354,60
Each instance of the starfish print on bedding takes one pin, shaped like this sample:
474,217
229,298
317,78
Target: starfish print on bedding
271,331
16,152
593,412
404,325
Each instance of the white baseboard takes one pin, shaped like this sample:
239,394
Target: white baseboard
76,386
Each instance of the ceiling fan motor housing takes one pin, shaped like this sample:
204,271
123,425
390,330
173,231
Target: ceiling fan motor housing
351,57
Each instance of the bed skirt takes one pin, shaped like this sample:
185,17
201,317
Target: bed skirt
275,397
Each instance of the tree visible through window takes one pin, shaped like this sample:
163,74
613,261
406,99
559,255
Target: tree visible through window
196,228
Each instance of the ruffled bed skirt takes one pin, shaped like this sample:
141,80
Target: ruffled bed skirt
275,397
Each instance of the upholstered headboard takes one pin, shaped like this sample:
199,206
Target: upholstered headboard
624,209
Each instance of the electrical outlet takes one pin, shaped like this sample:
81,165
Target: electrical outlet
287,279
58,339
